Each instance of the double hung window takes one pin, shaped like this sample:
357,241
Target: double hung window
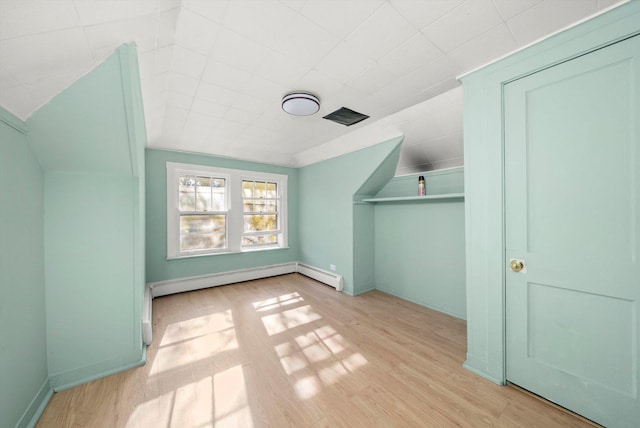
261,216
216,210
202,206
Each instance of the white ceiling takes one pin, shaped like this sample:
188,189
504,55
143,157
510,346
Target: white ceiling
214,72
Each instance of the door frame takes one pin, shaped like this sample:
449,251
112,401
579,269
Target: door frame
485,175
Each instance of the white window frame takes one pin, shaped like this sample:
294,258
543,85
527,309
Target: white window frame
263,179
234,221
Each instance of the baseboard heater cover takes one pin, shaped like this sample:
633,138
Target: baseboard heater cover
147,307
332,279
172,286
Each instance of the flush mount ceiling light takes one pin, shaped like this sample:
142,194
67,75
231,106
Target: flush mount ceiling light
300,104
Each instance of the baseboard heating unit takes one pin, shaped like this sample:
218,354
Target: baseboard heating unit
332,279
147,316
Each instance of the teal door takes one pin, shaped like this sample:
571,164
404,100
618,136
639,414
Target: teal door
572,209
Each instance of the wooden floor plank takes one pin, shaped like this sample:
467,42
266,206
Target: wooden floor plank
288,351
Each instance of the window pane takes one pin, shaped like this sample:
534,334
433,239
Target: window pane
247,189
186,182
272,206
248,205
218,185
259,206
248,241
260,190
201,232
187,193
272,190
203,194
218,189
257,223
217,201
187,201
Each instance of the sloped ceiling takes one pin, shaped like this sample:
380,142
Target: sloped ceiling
214,72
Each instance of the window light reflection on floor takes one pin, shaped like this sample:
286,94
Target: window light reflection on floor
180,375
203,370
219,401
276,302
147,414
322,352
231,399
285,320
188,341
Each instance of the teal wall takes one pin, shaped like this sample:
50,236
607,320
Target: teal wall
364,224
23,351
326,208
420,246
484,175
91,295
90,141
161,269
363,248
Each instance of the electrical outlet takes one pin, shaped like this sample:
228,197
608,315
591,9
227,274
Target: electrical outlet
332,267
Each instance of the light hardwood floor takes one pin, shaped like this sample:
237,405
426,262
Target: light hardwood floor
290,352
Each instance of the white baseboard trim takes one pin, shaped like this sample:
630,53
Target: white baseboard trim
172,286
326,277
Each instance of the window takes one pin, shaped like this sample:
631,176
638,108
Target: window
202,206
261,203
216,210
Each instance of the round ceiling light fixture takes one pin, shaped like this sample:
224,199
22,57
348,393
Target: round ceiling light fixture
300,104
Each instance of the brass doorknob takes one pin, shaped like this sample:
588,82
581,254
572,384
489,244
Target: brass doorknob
516,265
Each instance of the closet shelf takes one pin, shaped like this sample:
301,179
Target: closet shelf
412,199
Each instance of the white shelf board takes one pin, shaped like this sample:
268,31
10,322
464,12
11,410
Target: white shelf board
415,198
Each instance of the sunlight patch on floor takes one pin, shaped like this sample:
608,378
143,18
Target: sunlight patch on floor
293,363
176,410
320,352
282,321
182,414
316,358
202,408
354,362
307,387
189,341
195,327
147,414
276,302
231,399
331,339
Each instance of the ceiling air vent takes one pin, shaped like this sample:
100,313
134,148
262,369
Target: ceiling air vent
346,116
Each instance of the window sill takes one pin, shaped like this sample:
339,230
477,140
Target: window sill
251,250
